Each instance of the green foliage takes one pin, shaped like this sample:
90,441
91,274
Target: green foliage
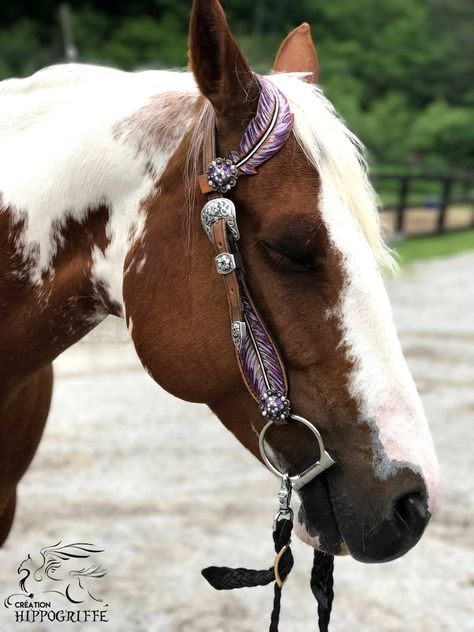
416,249
140,42
399,71
21,51
444,134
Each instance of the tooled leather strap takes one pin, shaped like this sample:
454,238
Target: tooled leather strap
260,364
228,262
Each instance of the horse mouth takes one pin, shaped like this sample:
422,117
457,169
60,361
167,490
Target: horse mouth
328,520
316,520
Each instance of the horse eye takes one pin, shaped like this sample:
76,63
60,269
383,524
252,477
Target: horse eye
287,259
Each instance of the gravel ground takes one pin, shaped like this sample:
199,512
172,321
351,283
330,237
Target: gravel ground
167,490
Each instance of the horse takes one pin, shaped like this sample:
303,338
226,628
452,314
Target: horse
100,215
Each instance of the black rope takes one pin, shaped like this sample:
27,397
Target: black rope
322,587
275,616
225,578
281,538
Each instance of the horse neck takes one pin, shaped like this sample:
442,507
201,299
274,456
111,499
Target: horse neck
71,207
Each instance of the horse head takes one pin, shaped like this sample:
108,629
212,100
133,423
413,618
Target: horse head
314,255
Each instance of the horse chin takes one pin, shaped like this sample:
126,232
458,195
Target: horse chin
315,522
320,541
314,541
303,534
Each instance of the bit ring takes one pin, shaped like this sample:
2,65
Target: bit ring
301,479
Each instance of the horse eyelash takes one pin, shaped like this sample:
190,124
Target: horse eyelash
287,261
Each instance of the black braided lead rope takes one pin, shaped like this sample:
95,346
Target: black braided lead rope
281,538
322,587
225,578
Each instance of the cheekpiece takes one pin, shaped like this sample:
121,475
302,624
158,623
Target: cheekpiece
275,406
222,175
215,210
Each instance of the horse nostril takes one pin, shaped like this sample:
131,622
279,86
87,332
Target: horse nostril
412,510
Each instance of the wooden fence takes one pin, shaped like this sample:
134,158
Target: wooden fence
425,204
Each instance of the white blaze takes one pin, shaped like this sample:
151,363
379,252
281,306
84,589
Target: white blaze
381,381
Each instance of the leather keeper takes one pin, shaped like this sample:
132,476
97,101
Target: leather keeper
204,185
221,245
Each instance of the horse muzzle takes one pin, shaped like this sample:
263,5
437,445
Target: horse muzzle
376,524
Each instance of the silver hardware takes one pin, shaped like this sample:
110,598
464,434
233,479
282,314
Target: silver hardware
222,175
299,480
284,498
226,263
217,209
238,333
275,406
285,512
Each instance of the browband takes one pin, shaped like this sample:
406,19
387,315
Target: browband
264,137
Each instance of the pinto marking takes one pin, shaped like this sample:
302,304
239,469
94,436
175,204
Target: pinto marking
70,141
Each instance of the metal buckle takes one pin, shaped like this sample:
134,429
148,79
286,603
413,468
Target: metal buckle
217,209
299,480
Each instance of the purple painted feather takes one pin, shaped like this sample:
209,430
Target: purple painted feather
262,367
267,132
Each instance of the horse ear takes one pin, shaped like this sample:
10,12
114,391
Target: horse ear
298,54
219,66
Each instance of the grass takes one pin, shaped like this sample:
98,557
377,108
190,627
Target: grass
419,248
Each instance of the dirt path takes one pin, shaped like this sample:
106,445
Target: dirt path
166,490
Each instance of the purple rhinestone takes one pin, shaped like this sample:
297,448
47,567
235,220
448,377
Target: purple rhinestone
274,406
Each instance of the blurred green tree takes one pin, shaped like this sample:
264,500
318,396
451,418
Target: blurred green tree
400,72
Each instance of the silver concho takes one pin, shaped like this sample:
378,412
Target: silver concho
238,332
225,263
220,208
